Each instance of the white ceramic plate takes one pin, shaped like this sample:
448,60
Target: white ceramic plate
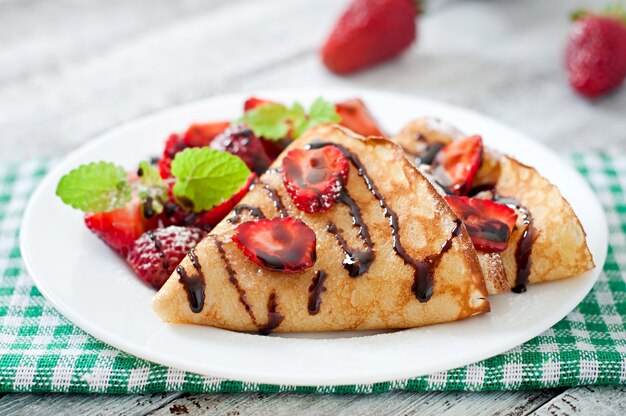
95,289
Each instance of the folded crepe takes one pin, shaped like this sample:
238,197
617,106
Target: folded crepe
218,285
548,241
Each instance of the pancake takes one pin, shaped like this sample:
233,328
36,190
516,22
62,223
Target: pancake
548,242
217,285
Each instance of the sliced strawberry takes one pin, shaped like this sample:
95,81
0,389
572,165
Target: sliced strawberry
280,244
456,164
199,135
156,254
314,177
254,102
121,227
355,116
241,141
489,224
174,214
173,145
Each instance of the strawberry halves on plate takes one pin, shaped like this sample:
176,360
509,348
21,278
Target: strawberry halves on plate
456,164
488,223
280,244
355,116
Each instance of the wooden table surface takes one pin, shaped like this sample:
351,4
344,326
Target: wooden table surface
72,69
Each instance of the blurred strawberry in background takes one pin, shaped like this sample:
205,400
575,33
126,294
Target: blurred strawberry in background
370,32
595,57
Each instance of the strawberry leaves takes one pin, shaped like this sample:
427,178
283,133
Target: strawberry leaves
274,121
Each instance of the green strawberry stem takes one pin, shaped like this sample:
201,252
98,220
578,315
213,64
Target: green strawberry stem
615,11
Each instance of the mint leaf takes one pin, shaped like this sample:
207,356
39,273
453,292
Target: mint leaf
268,121
207,177
95,187
152,189
321,112
275,121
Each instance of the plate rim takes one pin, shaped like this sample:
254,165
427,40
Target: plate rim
250,376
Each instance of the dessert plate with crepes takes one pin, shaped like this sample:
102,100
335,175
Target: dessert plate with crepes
390,277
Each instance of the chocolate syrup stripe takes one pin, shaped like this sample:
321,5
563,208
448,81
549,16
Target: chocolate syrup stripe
194,285
315,292
278,203
356,262
239,209
274,318
423,270
232,278
524,244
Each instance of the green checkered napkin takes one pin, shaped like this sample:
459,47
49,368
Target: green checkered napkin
41,351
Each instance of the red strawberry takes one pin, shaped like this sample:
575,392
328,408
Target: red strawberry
369,32
253,102
280,244
314,177
121,227
595,57
173,145
355,116
241,141
199,135
456,164
174,214
489,224
156,253
274,148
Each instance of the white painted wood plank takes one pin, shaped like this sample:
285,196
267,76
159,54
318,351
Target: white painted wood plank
404,403
83,404
503,59
590,400
60,103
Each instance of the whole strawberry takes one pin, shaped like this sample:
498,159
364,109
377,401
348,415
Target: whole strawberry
156,253
370,32
595,57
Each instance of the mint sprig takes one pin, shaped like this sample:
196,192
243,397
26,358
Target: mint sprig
207,177
95,187
203,178
274,121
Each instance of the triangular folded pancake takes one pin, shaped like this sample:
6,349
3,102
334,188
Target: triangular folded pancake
556,246
227,290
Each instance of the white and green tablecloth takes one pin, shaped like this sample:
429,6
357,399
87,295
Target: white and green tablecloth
41,351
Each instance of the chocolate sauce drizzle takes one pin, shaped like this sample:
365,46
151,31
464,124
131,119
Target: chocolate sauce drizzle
428,154
423,278
315,292
356,262
423,270
274,318
254,211
232,278
278,203
524,244
194,285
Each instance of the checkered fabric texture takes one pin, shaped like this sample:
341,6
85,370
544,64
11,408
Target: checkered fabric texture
41,351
